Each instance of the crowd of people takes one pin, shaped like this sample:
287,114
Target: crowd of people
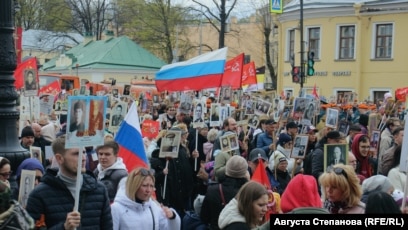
207,186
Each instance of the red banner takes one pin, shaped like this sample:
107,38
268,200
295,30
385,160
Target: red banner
19,46
30,63
150,128
401,93
53,88
233,72
249,74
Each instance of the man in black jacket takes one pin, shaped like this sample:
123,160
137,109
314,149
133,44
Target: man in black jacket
51,203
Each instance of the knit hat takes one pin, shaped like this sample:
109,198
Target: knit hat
300,192
278,158
253,155
27,132
237,167
284,138
377,183
29,164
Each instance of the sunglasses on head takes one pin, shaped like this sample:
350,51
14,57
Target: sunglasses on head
145,172
340,171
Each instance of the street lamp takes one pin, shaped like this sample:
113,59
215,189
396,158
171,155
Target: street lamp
10,146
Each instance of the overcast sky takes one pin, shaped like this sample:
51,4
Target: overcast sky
243,8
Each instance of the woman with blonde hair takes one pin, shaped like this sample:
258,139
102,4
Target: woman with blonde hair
342,190
247,210
134,207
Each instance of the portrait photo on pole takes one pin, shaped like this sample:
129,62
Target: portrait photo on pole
309,114
300,107
85,120
30,82
215,115
198,115
225,94
374,140
186,103
335,154
299,146
27,183
170,144
35,152
332,118
117,115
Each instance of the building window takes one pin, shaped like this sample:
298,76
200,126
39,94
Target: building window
383,41
346,46
291,48
314,41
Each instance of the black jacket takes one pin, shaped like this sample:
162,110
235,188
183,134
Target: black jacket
212,204
52,199
111,180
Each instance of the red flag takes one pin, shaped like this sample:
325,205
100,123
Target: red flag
233,72
30,63
314,92
261,177
150,128
54,88
249,74
148,95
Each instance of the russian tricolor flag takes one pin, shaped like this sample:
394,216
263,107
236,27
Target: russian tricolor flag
129,138
201,72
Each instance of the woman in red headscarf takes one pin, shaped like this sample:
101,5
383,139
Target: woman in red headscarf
361,150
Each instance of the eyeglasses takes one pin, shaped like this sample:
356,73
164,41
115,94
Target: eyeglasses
145,172
6,174
340,171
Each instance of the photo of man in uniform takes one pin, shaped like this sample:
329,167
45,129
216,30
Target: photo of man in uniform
29,79
198,113
77,123
117,118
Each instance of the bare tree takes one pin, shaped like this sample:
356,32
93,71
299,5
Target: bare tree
220,21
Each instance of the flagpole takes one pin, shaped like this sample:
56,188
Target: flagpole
196,143
165,179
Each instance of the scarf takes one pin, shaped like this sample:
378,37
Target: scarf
334,207
365,168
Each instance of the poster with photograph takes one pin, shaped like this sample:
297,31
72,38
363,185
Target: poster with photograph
253,121
118,113
288,96
233,140
82,90
46,103
30,82
27,183
309,114
286,113
344,127
223,113
300,146
269,96
335,154
374,140
170,144
244,98
186,103
332,117
198,116
299,106
262,107
229,142
126,90
35,152
85,121
226,94
215,115
75,92
115,92
249,107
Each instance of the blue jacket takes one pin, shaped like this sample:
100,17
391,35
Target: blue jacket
263,142
52,199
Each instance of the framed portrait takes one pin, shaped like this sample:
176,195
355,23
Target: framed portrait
332,118
244,98
374,140
118,113
299,146
225,142
339,98
249,107
35,152
198,116
335,154
27,182
233,140
288,96
253,121
269,96
299,107
170,144
223,113
263,107
75,92
115,92
215,115
126,90
309,114
348,98
225,94
286,113
344,127
30,82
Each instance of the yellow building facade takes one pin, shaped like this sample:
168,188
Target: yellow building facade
359,47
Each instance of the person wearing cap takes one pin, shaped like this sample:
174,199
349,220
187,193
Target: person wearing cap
27,137
284,146
332,137
253,160
280,174
236,175
265,139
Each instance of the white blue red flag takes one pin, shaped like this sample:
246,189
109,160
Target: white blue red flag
202,72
